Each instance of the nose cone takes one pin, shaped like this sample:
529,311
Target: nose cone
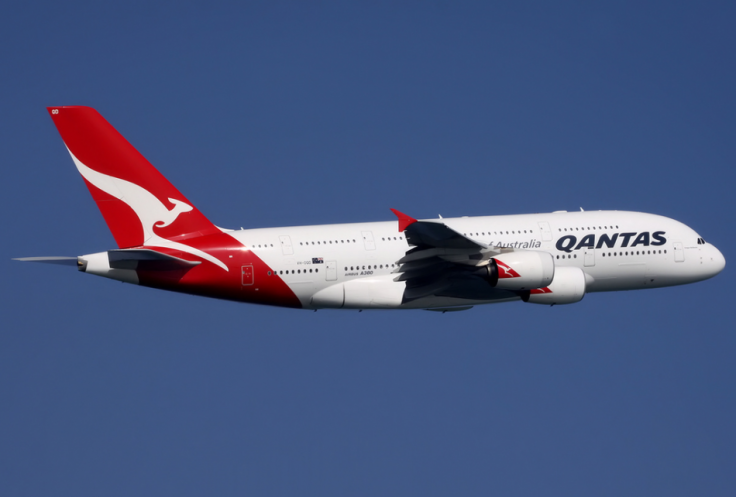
715,262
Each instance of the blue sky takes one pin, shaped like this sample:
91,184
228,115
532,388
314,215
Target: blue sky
279,113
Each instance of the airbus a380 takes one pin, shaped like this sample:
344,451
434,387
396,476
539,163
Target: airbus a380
437,264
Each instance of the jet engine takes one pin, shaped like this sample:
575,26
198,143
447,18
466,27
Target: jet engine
568,287
522,270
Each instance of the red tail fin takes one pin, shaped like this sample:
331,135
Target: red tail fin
137,202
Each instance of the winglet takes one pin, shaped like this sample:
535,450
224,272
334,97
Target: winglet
404,220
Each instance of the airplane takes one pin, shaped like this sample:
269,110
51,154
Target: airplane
439,264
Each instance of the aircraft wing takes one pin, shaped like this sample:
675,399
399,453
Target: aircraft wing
444,263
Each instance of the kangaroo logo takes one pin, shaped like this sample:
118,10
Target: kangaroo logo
149,209
507,271
179,207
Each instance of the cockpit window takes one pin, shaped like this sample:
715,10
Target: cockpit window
701,241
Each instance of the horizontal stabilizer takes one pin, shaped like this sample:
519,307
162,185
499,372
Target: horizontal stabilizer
146,259
62,261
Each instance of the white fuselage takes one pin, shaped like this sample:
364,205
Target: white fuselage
360,259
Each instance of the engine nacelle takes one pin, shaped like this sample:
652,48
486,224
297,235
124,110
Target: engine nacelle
523,270
568,287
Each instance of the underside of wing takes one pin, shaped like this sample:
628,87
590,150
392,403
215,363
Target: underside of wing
445,263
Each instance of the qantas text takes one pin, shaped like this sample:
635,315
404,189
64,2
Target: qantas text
569,243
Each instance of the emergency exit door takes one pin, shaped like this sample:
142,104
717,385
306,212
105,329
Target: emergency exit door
286,247
589,257
679,252
368,241
331,271
546,231
246,274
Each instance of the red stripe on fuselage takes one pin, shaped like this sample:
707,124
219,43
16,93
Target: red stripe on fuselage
210,280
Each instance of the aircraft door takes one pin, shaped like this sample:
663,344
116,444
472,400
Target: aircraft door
368,241
331,271
246,275
286,247
589,257
546,231
679,252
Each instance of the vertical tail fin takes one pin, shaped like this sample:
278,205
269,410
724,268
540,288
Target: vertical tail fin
138,202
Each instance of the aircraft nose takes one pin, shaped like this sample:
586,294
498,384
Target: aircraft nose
716,261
